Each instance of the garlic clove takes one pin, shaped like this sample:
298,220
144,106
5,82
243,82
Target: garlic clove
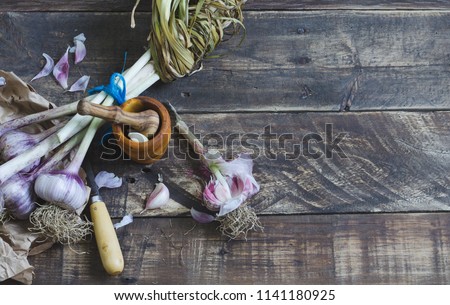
137,137
158,197
126,220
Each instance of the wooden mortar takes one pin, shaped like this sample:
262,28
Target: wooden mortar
152,150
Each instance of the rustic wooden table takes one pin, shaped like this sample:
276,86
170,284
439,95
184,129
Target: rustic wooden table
345,107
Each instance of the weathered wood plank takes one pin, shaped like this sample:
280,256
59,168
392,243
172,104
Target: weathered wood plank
308,249
371,60
127,5
315,163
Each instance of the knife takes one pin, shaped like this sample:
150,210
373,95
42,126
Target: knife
105,234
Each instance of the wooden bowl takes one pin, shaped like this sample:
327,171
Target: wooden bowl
152,150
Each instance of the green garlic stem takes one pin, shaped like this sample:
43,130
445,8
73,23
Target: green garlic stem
50,164
79,120
84,145
138,65
141,76
103,98
147,83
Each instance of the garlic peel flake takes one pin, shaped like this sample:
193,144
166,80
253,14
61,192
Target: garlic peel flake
80,48
201,217
126,220
81,84
47,69
108,180
61,69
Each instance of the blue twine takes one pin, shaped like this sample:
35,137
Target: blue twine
113,88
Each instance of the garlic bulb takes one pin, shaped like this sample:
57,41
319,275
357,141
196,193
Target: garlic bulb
17,193
62,188
15,142
18,197
65,188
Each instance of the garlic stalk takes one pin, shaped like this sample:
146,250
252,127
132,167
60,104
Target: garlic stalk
27,158
39,117
203,25
104,99
17,193
15,142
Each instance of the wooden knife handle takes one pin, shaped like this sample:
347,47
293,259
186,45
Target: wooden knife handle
106,237
146,122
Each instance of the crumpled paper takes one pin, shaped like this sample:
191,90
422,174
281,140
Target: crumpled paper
17,99
16,244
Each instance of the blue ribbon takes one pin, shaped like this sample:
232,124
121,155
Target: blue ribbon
113,88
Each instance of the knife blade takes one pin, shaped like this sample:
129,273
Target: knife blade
104,232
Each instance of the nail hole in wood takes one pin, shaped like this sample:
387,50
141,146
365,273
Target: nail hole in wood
130,180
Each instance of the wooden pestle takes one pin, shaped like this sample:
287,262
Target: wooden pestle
145,122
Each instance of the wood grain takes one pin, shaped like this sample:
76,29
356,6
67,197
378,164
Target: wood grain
370,209
308,249
127,5
397,59
379,162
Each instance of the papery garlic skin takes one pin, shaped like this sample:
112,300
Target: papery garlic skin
231,184
80,48
47,69
61,70
108,180
66,190
2,202
2,205
126,220
81,84
202,217
158,197
18,197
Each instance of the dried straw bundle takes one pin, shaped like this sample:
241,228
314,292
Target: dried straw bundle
184,32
